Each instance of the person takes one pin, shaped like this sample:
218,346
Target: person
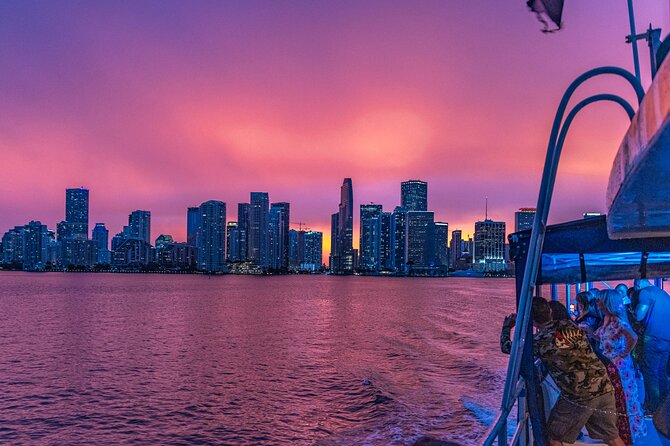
589,317
558,311
617,339
587,395
653,311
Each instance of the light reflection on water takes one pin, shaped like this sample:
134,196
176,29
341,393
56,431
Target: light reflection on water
111,358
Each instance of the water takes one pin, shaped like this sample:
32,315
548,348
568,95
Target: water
242,360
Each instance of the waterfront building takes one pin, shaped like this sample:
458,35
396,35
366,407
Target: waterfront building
139,226
232,242
212,237
258,236
76,212
296,248
35,242
489,249
132,254
192,225
162,241
420,241
370,238
523,219
414,195
398,240
333,259
442,245
12,246
456,247
386,250
118,240
278,236
313,241
101,238
78,253
243,210
343,254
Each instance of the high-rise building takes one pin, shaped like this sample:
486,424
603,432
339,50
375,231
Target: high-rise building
370,238
343,256
243,230
133,253
76,212
139,226
296,248
12,245
414,195
163,241
386,254
523,219
35,245
399,240
101,238
232,242
313,241
212,237
420,241
489,255
192,225
258,236
442,245
334,259
278,236
456,247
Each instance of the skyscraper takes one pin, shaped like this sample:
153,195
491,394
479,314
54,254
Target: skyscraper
386,255
211,250
334,259
523,219
139,226
442,245
232,241
192,225
278,236
399,239
414,195
489,255
258,243
76,212
420,233
101,238
243,230
312,251
456,247
35,245
344,253
370,238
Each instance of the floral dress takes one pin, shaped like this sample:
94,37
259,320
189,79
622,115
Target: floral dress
613,344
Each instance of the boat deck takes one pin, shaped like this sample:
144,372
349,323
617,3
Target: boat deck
652,438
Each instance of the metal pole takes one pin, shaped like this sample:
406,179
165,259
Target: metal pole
554,291
636,59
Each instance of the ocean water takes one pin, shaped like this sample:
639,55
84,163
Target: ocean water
245,360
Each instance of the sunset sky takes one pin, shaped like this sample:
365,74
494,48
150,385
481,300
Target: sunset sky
163,105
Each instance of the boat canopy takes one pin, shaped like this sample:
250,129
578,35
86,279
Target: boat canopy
582,251
638,196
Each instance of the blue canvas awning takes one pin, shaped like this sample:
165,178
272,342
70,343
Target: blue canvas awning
582,251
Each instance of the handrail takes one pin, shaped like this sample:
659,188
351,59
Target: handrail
556,141
500,420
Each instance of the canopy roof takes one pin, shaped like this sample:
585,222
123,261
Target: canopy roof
582,251
638,196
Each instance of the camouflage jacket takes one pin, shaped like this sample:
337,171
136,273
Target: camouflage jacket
566,353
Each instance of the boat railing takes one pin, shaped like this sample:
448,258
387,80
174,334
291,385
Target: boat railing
498,430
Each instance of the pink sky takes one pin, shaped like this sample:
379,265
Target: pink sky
164,105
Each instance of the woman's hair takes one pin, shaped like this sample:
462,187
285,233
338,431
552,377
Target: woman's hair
613,304
558,311
583,299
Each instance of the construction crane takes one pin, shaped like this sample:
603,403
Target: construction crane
300,225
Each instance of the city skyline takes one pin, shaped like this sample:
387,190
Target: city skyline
150,115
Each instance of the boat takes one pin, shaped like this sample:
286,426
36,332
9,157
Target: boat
631,241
